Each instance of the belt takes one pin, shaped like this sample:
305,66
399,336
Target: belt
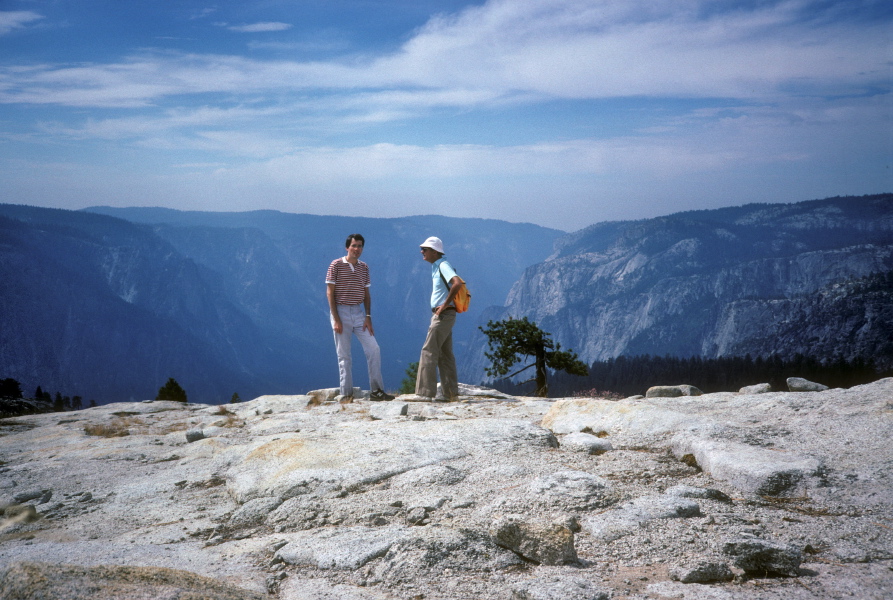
447,308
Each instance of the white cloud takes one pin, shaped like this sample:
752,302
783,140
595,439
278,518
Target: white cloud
596,49
260,27
16,19
168,121
558,49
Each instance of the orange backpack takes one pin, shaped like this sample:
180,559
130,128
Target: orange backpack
463,296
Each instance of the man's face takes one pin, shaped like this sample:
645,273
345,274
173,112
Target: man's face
429,254
355,249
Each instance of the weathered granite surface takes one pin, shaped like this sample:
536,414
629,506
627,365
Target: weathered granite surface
722,496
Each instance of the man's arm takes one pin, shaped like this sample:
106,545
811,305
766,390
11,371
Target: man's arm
333,308
455,284
367,304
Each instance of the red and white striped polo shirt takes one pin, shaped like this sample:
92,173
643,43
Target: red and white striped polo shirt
350,280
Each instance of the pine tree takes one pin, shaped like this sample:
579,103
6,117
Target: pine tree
512,339
407,386
235,399
171,391
10,388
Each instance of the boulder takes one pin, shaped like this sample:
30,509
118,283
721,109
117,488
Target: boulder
664,391
702,571
23,497
763,557
672,391
388,410
798,384
547,543
585,443
749,468
760,388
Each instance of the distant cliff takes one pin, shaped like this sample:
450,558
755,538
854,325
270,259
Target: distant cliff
108,306
809,278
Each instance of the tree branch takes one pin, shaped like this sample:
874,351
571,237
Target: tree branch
519,370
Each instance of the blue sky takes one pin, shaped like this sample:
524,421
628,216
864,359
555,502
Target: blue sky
562,113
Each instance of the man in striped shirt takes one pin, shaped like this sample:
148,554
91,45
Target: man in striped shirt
350,308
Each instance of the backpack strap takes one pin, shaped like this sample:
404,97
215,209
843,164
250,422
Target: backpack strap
445,282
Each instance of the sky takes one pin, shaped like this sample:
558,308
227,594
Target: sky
562,113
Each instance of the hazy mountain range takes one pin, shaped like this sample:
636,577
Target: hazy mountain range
108,303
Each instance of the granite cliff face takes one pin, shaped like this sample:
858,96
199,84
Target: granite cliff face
810,278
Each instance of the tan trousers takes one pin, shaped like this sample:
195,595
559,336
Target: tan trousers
437,355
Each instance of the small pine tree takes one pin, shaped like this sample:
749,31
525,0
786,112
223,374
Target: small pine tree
235,399
407,386
511,339
171,391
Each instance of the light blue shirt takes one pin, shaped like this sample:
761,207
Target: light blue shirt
440,291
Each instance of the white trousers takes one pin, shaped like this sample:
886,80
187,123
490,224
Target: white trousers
353,317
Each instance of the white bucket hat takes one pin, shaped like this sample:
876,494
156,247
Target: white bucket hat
434,243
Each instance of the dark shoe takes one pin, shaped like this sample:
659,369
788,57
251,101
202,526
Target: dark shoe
380,395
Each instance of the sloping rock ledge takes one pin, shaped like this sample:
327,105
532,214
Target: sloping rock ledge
720,496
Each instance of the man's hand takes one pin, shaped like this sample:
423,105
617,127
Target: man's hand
367,324
338,327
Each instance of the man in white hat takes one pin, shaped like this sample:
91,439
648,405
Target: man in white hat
437,353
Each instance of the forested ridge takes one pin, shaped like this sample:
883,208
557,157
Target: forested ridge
631,375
